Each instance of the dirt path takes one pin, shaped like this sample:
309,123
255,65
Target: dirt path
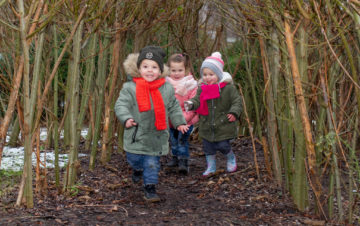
107,196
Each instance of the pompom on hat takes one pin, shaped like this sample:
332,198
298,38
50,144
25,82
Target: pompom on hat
214,63
154,53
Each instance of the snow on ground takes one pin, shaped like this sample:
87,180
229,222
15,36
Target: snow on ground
13,158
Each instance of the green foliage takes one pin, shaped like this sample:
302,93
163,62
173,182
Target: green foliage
74,190
9,174
326,142
8,179
232,54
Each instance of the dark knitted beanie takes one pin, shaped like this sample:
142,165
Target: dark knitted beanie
154,53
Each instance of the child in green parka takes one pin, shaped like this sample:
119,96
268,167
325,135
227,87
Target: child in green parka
218,104
144,106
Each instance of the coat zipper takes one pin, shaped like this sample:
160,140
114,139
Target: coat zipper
213,119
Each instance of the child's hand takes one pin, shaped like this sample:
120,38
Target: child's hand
129,123
231,117
188,105
183,128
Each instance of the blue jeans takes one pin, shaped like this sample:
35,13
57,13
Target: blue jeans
150,165
180,142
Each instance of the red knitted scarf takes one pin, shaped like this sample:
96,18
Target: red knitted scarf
143,91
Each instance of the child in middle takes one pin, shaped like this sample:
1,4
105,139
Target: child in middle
185,88
219,104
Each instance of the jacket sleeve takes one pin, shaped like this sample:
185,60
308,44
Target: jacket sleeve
123,104
236,102
196,99
191,116
174,110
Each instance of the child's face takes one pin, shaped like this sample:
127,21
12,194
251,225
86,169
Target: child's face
209,77
177,70
149,70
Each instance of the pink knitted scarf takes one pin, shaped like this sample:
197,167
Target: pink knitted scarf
184,85
209,92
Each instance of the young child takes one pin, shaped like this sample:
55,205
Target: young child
144,106
185,88
218,103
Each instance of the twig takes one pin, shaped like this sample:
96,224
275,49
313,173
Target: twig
113,206
315,193
332,50
25,217
251,132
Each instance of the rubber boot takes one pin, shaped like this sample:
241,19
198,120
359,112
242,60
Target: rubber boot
184,166
150,193
231,162
211,165
174,162
136,176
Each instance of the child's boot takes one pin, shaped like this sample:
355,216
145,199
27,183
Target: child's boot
136,176
211,165
174,162
183,166
231,162
150,193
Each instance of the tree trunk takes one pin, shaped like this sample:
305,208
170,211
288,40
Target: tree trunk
108,98
311,155
100,84
27,171
16,82
73,165
14,133
56,135
271,120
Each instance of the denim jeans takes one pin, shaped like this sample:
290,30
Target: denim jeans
180,142
150,165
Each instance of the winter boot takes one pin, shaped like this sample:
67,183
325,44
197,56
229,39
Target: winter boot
183,166
231,162
174,162
136,176
211,165
150,193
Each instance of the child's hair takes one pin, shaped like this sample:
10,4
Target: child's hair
180,58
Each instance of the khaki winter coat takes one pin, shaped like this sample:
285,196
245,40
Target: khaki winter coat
146,139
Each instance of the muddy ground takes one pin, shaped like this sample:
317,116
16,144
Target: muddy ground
107,196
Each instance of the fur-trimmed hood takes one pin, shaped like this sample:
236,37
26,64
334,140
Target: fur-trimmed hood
132,70
226,78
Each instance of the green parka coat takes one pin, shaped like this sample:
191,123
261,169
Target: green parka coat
215,126
145,138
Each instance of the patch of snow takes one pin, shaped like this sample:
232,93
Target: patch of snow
13,159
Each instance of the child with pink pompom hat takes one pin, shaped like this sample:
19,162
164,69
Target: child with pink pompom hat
218,104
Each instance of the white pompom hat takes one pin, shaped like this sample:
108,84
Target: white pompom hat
214,63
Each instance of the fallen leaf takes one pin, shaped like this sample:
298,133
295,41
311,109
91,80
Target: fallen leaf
85,188
84,198
115,208
314,222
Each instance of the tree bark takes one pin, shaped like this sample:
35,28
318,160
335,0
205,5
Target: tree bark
311,155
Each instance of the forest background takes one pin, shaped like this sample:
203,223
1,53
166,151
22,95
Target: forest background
296,64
